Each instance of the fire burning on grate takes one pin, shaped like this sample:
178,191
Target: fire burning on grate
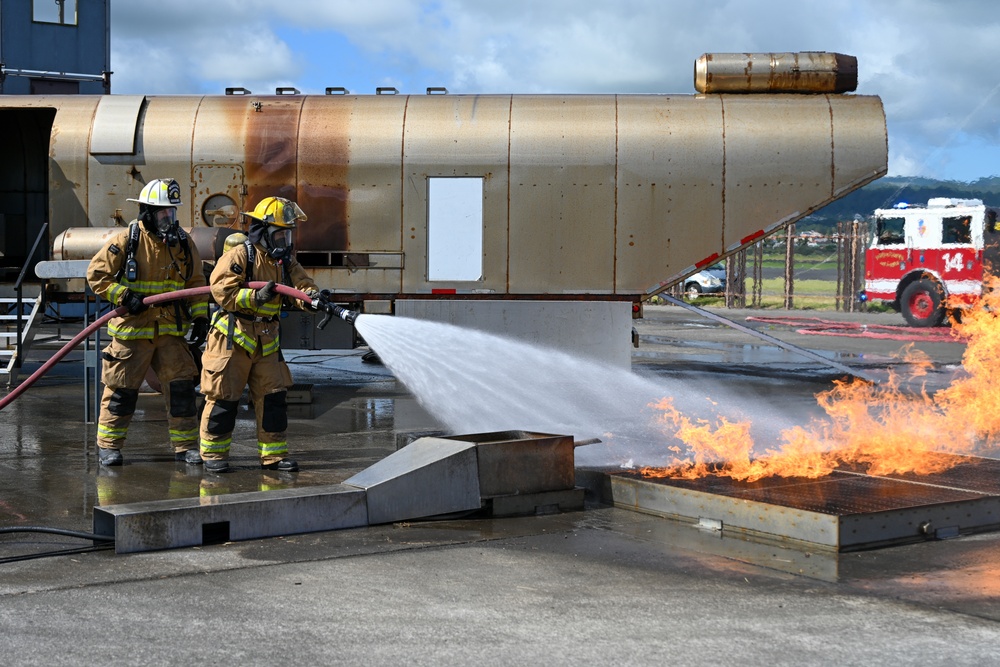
880,430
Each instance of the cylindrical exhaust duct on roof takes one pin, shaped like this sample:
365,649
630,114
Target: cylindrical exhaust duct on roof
805,72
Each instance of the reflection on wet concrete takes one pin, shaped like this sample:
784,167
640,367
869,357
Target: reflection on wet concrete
51,477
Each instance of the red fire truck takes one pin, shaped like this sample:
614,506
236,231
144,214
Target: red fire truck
921,256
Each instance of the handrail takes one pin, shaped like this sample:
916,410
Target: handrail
19,289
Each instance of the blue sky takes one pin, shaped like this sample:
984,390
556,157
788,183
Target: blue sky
933,63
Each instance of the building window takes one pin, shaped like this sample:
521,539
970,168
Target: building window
62,12
454,228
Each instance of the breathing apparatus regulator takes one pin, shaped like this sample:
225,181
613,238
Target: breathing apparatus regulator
272,222
158,204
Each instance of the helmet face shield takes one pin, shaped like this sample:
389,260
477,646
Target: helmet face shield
290,213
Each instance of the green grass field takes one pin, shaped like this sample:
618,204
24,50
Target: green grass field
807,295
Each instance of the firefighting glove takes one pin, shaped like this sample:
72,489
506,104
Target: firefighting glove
133,302
265,294
313,302
199,331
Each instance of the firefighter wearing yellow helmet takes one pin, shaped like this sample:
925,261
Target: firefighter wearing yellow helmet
151,256
244,344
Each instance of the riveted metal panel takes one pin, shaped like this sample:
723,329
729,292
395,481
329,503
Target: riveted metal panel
163,150
562,194
860,143
779,160
218,156
350,183
271,143
670,178
449,135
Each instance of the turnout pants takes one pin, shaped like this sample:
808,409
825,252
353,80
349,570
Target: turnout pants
225,372
125,366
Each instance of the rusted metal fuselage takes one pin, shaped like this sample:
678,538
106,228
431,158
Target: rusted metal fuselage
602,196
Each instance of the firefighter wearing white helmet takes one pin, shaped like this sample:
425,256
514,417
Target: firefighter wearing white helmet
151,256
244,346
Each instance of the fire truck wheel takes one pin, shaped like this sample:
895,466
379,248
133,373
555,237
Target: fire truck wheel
921,304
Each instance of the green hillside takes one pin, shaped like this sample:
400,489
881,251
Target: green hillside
891,190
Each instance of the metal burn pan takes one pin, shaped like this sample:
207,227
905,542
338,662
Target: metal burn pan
843,511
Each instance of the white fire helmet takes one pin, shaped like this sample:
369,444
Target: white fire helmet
160,192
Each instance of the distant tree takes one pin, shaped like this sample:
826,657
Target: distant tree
889,191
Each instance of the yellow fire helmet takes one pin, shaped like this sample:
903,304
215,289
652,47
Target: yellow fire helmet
160,192
278,211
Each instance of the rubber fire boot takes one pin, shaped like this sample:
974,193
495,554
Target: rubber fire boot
192,457
284,465
109,457
217,465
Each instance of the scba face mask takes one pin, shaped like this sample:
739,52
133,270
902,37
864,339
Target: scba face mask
279,242
163,223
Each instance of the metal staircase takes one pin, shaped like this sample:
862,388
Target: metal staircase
29,310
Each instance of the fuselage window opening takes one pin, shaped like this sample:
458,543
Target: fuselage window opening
454,228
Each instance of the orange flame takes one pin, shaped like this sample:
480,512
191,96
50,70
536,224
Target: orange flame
882,429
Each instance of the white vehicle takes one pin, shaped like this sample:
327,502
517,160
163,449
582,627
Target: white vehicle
710,280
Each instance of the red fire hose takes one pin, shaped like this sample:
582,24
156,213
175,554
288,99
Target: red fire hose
121,310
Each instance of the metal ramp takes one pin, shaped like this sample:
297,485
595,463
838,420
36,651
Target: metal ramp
28,308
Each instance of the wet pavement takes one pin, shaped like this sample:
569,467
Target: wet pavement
605,584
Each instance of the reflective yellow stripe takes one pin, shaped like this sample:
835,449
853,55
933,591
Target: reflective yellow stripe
125,332
244,298
183,436
115,292
215,446
149,287
271,347
272,448
111,432
269,309
199,309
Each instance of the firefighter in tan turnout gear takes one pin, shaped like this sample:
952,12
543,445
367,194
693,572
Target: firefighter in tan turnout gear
151,256
243,344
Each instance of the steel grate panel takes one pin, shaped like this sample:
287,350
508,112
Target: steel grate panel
972,474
